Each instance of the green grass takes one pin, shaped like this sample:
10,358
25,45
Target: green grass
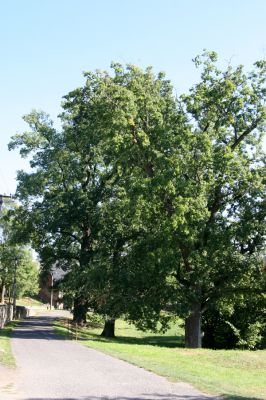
6,356
28,301
236,374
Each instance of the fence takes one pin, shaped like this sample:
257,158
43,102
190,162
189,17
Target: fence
21,312
7,314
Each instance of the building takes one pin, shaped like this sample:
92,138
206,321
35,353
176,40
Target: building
49,288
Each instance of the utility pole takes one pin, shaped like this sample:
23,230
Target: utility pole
15,287
52,291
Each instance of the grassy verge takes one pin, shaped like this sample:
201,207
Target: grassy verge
6,356
236,374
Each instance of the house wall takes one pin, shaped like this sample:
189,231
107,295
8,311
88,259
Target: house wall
45,293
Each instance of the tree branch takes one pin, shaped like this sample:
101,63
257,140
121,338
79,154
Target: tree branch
70,234
245,133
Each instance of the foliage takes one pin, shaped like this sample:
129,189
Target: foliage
16,257
236,323
149,200
76,176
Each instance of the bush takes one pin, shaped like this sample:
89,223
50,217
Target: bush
237,324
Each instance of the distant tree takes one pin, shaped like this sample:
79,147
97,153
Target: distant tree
16,259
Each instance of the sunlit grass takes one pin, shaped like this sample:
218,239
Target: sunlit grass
6,356
29,301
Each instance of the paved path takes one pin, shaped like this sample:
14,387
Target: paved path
50,367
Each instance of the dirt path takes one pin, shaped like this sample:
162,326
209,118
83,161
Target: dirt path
50,367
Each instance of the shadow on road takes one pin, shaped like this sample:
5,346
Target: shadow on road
36,328
153,396
41,327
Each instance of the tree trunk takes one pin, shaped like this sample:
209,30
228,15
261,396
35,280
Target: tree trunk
109,328
9,295
193,328
80,311
3,291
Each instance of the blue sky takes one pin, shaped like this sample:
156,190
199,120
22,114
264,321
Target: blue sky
46,44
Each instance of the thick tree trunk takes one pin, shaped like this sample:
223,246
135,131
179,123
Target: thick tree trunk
80,311
109,328
80,303
193,328
3,292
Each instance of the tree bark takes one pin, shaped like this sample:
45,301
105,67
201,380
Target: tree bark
109,328
80,311
193,328
3,291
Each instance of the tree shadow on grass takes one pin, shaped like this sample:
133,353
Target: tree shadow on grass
160,341
235,397
152,396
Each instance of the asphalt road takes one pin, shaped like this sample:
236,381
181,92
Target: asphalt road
50,367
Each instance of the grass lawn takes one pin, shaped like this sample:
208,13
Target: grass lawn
6,356
28,301
236,374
